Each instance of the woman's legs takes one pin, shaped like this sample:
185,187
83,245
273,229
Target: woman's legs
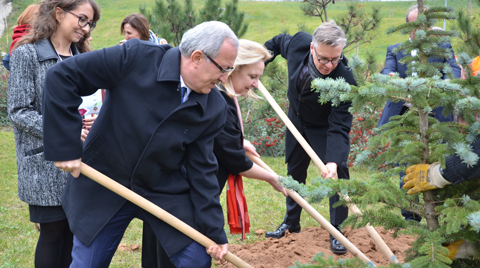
54,246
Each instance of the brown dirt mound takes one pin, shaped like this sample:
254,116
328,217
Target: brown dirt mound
281,253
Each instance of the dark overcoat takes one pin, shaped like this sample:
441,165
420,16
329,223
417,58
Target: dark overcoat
327,127
393,65
143,138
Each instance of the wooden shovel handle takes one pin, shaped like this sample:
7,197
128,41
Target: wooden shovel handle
157,211
353,208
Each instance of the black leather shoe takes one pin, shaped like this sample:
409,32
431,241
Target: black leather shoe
280,232
336,247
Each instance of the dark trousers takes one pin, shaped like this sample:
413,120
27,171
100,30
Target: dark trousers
153,254
100,252
297,165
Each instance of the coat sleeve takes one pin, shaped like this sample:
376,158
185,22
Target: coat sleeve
456,71
66,82
456,171
228,147
22,94
201,166
338,135
278,45
390,62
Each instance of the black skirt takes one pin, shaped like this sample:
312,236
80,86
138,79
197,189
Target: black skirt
44,214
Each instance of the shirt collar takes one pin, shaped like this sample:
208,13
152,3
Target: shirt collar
182,84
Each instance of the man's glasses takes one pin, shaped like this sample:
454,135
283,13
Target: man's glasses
82,21
229,69
325,61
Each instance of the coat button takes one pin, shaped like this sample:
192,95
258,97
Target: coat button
185,131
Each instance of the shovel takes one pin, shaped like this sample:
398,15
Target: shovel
157,211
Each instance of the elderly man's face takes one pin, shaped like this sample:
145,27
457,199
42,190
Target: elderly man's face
208,74
412,16
326,52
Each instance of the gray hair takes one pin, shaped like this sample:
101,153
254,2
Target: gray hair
207,37
412,8
329,33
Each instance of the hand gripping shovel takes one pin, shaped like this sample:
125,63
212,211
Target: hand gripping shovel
353,208
157,211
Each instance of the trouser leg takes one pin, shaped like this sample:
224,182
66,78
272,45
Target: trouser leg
297,166
100,252
193,255
153,254
339,214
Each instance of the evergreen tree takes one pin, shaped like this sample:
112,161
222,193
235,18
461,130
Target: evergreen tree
451,213
170,20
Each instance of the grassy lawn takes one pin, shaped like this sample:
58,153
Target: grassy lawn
18,235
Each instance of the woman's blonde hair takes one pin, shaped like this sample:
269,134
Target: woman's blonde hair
249,52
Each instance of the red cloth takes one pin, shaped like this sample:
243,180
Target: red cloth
237,212
18,32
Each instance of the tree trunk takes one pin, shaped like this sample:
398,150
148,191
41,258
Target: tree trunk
428,197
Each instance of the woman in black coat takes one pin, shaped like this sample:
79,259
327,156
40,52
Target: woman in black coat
229,145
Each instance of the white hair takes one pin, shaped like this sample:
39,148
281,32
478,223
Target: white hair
207,37
329,33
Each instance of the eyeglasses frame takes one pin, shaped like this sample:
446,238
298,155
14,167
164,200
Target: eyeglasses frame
218,65
334,61
91,24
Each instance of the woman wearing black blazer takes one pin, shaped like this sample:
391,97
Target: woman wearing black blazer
229,145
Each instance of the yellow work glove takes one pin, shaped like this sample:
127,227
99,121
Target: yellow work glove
424,177
461,249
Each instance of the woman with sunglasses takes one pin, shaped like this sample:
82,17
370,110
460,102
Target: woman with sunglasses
58,32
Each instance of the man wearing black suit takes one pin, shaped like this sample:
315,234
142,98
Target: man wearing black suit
154,136
393,65
324,126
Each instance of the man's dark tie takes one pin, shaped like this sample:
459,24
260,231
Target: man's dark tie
183,90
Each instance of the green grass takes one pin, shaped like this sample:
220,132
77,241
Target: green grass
18,235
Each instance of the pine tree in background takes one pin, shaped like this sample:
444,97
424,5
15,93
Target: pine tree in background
170,20
450,214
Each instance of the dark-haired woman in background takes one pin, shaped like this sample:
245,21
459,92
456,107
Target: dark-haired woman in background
137,26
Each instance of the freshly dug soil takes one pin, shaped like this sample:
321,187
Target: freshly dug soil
282,253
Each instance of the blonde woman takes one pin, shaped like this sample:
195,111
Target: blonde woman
230,146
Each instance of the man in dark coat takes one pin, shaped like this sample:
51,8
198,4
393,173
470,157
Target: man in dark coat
154,136
393,65
325,127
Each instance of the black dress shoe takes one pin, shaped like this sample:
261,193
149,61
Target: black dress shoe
336,247
280,232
